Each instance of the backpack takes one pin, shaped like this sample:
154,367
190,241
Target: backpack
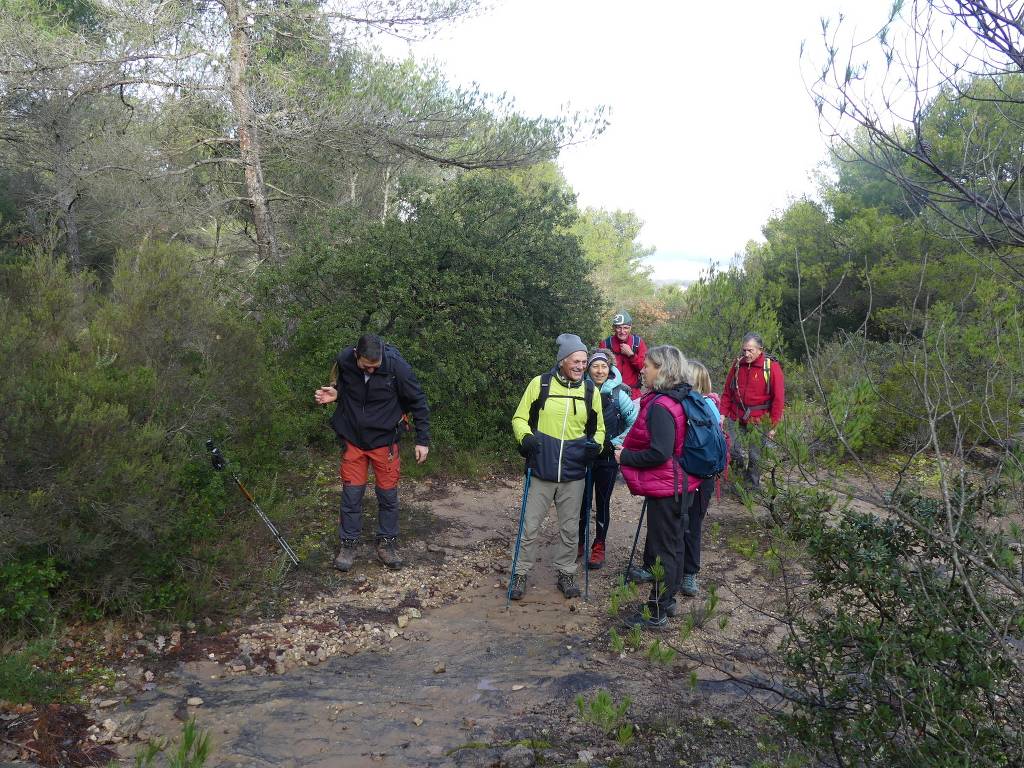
545,391
613,421
703,453
634,342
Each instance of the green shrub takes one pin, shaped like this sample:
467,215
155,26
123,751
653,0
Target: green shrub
25,588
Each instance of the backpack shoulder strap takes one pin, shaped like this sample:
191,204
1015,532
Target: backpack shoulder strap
635,343
535,407
591,428
608,343
768,374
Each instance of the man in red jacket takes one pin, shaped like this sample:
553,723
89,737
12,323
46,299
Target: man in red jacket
754,389
629,351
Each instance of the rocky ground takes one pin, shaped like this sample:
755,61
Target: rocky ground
426,667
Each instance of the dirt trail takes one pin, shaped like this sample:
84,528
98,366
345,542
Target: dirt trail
465,674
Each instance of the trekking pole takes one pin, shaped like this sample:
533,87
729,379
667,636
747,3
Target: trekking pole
588,500
219,463
519,538
636,537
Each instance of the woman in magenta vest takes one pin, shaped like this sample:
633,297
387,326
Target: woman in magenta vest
650,470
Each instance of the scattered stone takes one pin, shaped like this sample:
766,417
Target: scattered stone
194,701
108,703
520,756
259,669
414,613
131,724
439,668
518,687
585,756
417,721
237,667
148,676
403,622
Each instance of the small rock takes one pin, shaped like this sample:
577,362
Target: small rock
279,668
417,721
392,634
439,668
148,676
520,756
108,703
194,701
259,669
585,756
131,724
403,622
414,613
237,667
518,687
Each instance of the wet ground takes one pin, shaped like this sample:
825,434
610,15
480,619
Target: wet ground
427,666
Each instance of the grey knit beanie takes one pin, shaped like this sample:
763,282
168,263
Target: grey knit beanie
567,344
599,354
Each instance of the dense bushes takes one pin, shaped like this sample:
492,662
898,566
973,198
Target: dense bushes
106,397
473,285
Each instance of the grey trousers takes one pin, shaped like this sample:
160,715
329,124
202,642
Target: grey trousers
351,524
567,498
748,442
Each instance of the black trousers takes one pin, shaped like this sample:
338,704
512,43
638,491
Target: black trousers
604,474
665,542
689,554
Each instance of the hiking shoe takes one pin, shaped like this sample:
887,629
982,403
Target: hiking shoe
596,556
567,583
387,552
672,610
346,554
658,620
688,586
518,586
640,575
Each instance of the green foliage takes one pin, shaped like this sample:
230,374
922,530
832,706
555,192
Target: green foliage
899,664
603,712
709,319
25,594
193,749
107,398
25,678
472,285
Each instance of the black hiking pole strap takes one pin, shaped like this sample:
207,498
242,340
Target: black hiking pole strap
636,537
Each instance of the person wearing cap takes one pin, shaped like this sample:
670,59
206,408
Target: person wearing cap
559,426
620,411
629,351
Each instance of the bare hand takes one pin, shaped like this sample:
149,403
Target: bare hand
618,452
771,433
421,453
325,395
626,349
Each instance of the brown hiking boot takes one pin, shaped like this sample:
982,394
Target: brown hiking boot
346,554
387,552
567,584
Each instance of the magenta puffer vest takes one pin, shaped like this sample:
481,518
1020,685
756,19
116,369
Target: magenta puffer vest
664,480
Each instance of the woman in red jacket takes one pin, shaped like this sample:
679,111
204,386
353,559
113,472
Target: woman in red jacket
753,398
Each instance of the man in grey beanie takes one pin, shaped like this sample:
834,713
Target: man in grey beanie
560,430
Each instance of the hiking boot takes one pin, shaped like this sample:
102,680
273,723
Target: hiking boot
346,554
387,552
596,556
518,586
672,610
640,575
688,586
658,620
567,583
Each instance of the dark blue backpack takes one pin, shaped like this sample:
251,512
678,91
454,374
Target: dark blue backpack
704,453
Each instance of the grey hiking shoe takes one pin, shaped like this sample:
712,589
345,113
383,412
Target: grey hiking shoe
518,586
387,552
640,575
346,554
567,583
688,586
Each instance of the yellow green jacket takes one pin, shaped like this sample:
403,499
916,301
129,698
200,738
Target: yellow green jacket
561,429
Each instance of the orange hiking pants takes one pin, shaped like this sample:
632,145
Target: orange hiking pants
355,466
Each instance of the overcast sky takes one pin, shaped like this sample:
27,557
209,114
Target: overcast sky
712,129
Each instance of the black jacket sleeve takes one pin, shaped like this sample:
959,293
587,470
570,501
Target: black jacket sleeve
662,427
413,400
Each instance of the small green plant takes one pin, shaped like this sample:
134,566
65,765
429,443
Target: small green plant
25,679
618,643
623,592
700,614
744,546
192,752
603,712
660,654
635,638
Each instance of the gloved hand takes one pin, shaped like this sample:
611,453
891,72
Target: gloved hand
529,446
591,451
